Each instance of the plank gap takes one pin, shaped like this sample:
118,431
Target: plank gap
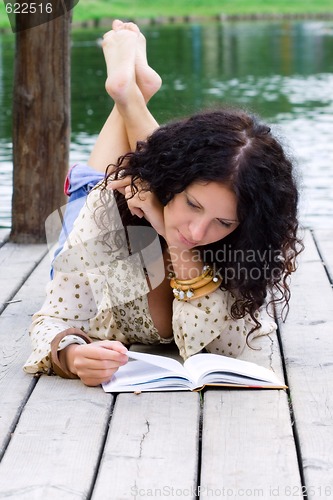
292,416
308,351
102,448
21,282
4,235
325,266
200,434
152,444
17,417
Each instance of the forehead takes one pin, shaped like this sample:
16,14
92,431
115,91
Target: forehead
215,197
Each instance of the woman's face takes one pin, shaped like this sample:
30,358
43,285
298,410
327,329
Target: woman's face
203,213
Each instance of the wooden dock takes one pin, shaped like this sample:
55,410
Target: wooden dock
62,440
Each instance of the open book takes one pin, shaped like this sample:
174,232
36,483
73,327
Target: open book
149,372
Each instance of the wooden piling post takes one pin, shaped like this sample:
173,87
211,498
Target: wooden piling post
41,124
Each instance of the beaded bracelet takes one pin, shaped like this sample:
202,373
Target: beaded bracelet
204,284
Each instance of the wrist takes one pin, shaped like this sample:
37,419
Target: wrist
58,358
67,357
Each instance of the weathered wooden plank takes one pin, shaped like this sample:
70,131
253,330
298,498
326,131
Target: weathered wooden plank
307,337
152,447
55,449
15,385
248,448
311,253
265,351
16,263
324,240
4,235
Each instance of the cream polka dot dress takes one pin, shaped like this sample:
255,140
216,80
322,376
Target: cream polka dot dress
101,289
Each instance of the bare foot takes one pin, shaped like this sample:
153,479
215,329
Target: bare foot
147,79
149,82
119,48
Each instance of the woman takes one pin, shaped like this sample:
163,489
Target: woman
219,192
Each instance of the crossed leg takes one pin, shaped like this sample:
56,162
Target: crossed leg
131,83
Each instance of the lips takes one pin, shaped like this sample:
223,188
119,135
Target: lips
187,242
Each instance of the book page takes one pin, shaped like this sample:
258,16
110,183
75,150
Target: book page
138,375
162,361
204,368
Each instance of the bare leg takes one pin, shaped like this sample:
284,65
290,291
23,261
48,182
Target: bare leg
148,81
126,61
111,143
127,66
122,85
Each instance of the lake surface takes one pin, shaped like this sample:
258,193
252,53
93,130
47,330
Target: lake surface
281,70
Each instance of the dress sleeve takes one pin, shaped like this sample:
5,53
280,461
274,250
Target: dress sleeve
206,323
68,304
72,297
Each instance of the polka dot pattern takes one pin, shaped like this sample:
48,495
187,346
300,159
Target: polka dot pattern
101,289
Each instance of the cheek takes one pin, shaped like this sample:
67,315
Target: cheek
172,214
166,212
168,217
220,233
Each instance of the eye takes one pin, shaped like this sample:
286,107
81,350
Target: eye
190,204
224,223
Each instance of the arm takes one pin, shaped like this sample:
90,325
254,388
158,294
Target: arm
71,304
93,363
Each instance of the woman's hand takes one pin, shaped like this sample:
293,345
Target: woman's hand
119,184
143,204
95,363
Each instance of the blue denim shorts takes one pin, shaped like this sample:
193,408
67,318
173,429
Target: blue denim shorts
79,181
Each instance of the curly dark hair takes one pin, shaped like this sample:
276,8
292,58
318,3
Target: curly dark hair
235,148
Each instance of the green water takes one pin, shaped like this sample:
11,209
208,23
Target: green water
280,70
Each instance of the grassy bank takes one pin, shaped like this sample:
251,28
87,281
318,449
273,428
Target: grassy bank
87,10
152,8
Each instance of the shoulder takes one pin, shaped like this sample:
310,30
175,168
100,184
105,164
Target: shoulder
100,212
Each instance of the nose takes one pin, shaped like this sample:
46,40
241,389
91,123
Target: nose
198,229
